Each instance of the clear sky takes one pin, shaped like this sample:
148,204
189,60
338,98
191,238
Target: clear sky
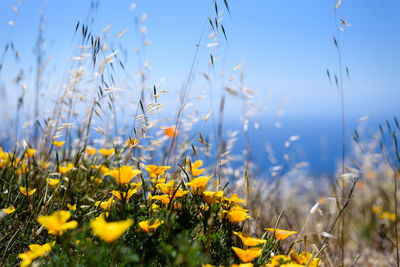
285,44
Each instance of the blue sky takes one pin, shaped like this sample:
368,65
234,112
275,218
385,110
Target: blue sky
286,45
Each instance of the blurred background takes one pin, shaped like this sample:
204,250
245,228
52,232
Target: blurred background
281,54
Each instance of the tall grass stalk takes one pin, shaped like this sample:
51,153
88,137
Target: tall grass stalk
341,91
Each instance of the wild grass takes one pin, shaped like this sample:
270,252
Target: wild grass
82,186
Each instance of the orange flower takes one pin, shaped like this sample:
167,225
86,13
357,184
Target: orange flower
148,228
212,197
124,174
91,151
163,198
107,152
248,240
245,265
237,214
247,255
171,132
170,190
281,234
106,205
199,183
194,167
123,195
155,171
166,188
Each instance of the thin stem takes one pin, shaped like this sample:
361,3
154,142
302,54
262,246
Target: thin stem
339,55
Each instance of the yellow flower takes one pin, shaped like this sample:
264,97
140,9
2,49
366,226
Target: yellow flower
106,205
194,167
148,228
131,142
41,250
53,182
30,152
56,223
3,155
35,251
109,232
27,193
291,264
123,195
158,180
304,258
237,215
96,181
135,185
204,207
281,234
163,198
234,199
247,255
212,197
107,152
155,171
277,260
124,174
26,258
45,165
9,210
248,240
71,207
91,151
23,169
199,183
376,209
388,216
103,169
242,265
384,215
166,188
65,169
169,191
58,143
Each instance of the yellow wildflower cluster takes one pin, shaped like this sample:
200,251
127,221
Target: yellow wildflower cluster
384,215
112,190
303,259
